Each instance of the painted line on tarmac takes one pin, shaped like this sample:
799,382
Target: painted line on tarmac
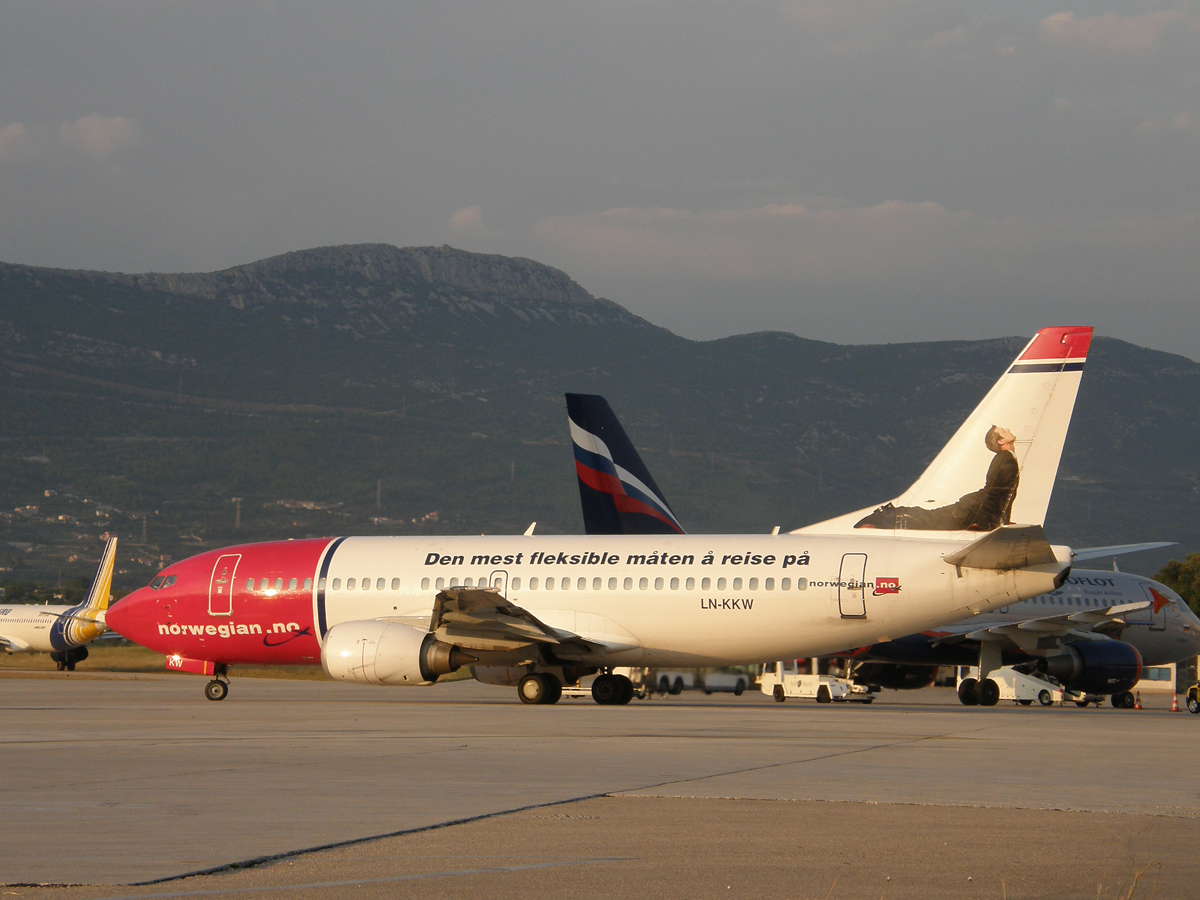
359,882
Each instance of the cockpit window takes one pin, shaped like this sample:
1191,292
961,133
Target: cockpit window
157,583
170,580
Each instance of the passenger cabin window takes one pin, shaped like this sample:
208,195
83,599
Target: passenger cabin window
533,583
337,584
467,582
737,584
720,584
349,584
249,584
802,584
440,583
674,584
658,584
516,584
643,584
769,584
321,585
596,582
366,584
753,584
279,584
292,584
266,583
581,584
453,582
705,584
308,584
424,584
395,584
628,584
380,583
690,584
612,584
785,584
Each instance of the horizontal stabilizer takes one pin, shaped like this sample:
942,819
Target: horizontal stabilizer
1008,547
1116,550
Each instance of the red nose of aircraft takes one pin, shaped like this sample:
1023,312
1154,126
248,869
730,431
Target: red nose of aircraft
132,615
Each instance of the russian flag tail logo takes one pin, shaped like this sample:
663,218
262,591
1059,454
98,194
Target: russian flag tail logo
616,489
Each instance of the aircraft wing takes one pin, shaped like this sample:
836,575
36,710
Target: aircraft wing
1028,631
482,619
12,644
1086,553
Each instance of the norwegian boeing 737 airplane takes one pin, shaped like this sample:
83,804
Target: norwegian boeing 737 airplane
540,612
62,631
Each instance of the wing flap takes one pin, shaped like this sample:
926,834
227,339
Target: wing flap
1008,547
482,619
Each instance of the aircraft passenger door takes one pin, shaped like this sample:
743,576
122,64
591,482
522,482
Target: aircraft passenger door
852,590
220,586
498,581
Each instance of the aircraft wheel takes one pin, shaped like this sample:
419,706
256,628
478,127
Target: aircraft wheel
1025,702
778,694
61,666
1122,700
626,687
677,687
216,690
823,694
532,690
605,690
966,692
1082,704
1044,697
70,667
739,689
553,689
989,692
1193,705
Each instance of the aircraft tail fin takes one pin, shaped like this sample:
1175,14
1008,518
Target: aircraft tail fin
616,490
999,467
97,598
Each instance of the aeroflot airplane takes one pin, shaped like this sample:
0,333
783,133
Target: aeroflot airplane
1094,633
63,631
540,612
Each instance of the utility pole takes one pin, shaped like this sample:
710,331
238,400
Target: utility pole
237,514
379,494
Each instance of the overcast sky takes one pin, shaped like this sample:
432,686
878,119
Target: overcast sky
851,171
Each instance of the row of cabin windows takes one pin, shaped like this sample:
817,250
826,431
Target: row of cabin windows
597,583
547,584
1072,601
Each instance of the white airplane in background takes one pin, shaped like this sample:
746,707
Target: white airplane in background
539,612
62,631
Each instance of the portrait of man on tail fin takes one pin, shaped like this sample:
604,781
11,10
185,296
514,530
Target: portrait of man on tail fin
981,510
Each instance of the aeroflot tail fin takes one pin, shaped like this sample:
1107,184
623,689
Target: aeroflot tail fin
616,489
999,467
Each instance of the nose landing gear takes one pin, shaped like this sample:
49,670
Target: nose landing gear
218,688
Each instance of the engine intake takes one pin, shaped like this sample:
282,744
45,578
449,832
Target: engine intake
372,652
1095,667
894,677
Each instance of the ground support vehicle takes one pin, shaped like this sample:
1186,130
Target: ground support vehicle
1020,688
1193,699
734,683
783,679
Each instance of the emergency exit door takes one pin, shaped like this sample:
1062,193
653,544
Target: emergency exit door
852,589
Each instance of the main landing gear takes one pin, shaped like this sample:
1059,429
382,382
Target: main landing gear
540,688
218,688
978,693
612,690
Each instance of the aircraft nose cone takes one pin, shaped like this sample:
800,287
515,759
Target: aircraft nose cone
124,615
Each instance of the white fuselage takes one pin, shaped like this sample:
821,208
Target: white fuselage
28,628
688,599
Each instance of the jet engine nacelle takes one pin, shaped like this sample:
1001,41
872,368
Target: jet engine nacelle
373,652
1095,667
893,676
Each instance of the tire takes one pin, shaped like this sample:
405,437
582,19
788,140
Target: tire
605,690
966,692
989,692
1044,697
1127,701
626,689
677,687
1082,704
664,686
778,694
1025,702
532,690
823,695
739,688
554,689
216,690
1193,705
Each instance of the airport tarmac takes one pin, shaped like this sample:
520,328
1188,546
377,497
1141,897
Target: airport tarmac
459,789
